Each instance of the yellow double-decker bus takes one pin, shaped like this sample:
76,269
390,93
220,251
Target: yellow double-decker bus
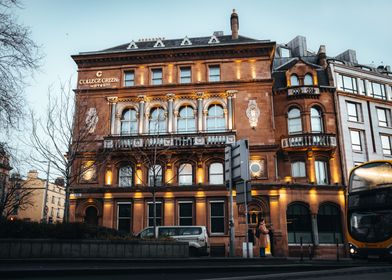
369,210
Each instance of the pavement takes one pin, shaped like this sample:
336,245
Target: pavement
69,267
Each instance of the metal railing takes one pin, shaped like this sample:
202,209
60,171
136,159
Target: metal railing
124,142
309,140
303,91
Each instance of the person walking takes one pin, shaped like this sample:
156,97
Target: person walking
261,234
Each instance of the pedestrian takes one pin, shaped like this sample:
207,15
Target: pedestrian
261,234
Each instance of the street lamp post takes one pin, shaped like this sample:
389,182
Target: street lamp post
45,208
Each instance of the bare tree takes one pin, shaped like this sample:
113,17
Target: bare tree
17,195
19,57
62,136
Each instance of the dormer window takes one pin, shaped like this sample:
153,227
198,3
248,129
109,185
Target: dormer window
132,45
186,42
294,81
159,44
213,40
308,80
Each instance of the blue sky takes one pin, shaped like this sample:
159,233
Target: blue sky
64,28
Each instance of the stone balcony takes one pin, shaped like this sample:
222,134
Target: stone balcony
309,140
303,92
178,140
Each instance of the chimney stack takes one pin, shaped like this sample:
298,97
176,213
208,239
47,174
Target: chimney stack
322,56
32,174
235,25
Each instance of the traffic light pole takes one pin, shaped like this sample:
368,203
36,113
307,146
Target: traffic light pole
231,221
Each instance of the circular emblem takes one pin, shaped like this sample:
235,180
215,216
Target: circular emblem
99,74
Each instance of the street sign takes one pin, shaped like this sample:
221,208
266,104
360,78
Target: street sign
241,191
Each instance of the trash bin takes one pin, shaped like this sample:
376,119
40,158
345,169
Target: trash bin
244,255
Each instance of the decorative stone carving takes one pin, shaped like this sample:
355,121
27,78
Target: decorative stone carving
253,113
112,99
91,119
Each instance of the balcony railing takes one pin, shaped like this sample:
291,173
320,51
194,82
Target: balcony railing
321,140
123,142
303,91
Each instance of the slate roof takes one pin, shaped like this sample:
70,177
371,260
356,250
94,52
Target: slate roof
176,43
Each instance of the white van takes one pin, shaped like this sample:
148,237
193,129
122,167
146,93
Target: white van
196,236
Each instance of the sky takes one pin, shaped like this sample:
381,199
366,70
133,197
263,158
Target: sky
63,28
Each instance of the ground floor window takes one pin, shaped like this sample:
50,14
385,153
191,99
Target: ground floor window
217,216
124,217
185,211
329,224
299,225
158,214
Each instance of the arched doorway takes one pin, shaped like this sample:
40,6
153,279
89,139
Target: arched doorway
299,225
91,216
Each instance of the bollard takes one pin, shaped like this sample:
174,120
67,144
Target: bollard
302,251
310,252
337,249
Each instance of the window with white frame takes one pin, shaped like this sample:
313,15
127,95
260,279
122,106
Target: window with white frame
308,80
294,81
377,90
129,78
316,120
321,168
186,121
124,216
216,118
298,169
214,73
356,143
185,213
347,83
386,144
294,121
156,78
185,174
158,213
217,217
185,75
216,173
129,122
125,176
384,117
155,176
157,123
354,112
364,87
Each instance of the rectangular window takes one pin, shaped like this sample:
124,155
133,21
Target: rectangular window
53,200
156,76
129,78
386,144
321,172
348,84
384,117
185,213
185,75
151,214
298,169
214,73
377,91
354,112
58,212
124,217
356,144
217,213
363,83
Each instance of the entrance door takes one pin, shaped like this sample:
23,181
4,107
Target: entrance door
91,216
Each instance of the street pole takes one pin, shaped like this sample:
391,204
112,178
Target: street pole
44,209
231,218
246,219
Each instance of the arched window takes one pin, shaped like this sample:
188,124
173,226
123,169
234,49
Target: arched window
125,176
308,80
91,216
186,120
294,81
294,121
155,176
329,224
129,122
185,174
215,118
216,173
157,122
299,224
316,120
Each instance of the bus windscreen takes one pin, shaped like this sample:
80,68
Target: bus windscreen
370,176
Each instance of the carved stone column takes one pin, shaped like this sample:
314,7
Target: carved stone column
199,111
230,119
315,229
142,101
170,99
113,101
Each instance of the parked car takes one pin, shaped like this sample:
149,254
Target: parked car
196,236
